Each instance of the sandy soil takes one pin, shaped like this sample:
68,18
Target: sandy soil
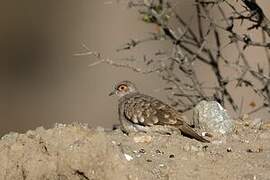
78,152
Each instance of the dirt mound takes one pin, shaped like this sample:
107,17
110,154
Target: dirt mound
78,152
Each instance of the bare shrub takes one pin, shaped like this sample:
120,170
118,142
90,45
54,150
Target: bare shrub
220,26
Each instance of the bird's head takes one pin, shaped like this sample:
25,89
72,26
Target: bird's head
123,88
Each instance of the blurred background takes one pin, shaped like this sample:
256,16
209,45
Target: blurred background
43,83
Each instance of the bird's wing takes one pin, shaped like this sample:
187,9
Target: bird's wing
147,111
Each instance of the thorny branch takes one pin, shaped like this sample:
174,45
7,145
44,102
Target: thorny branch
215,19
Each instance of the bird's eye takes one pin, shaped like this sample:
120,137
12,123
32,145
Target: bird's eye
122,87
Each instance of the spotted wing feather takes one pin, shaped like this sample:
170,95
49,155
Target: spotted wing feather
148,111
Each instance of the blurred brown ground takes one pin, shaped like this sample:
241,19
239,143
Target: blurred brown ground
43,83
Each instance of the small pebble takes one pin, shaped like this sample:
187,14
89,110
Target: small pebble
229,149
142,151
251,177
266,125
142,139
138,155
161,165
128,157
207,134
159,152
10,136
31,134
245,117
204,148
256,123
171,156
257,150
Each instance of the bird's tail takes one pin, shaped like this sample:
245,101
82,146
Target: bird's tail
188,131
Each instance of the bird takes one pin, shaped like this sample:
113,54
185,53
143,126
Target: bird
140,111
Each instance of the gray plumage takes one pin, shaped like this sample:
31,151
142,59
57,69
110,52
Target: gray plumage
140,110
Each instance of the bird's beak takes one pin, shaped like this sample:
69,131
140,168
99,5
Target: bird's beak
112,93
